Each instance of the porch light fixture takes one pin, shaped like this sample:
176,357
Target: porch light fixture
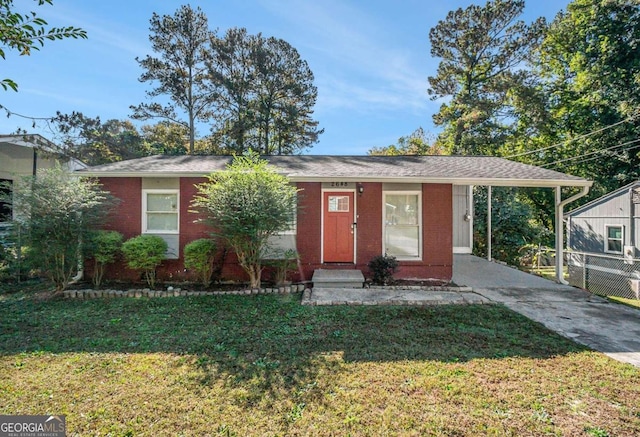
360,189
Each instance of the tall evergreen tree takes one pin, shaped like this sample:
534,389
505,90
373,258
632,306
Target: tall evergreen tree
181,46
482,49
265,94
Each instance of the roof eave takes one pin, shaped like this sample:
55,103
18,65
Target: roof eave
497,182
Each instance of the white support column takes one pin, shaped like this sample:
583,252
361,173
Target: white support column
489,223
560,229
559,237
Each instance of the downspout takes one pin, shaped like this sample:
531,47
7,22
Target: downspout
632,225
560,229
489,257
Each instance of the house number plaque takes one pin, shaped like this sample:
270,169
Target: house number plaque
339,184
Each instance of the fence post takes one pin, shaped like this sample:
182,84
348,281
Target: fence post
584,271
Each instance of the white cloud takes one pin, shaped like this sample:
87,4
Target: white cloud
348,42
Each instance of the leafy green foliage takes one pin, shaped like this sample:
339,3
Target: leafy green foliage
104,246
145,252
246,204
56,212
513,224
383,267
200,256
27,32
283,262
418,143
95,142
589,70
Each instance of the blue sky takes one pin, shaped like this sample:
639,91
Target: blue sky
371,60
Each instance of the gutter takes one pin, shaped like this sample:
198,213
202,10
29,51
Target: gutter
560,228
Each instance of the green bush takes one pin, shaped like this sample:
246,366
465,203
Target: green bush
145,252
55,214
200,255
286,261
383,267
104,246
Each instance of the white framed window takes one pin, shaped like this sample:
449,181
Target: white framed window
160,211
614,238
402,224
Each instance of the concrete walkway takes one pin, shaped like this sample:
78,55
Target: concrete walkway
391,296
610,328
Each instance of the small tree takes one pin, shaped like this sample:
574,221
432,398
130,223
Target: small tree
57,211
200,255
104,247
145,252
246,204
284,262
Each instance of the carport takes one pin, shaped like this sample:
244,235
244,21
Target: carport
610,328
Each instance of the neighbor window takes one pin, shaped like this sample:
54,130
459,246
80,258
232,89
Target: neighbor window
614,238
402,225
160,211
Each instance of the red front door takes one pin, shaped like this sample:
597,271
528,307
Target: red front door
338,227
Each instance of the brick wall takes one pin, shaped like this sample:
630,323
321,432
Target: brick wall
126,219
437,207
437,229
309,227
369,232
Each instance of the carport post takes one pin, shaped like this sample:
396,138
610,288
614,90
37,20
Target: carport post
489,223
559,237
560,229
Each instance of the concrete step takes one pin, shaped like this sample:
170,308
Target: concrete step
323,278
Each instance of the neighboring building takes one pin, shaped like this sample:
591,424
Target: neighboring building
604,235
25,155
608,224
352,208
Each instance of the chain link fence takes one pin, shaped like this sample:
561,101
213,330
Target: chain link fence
604,275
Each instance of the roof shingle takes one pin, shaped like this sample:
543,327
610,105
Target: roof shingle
478,170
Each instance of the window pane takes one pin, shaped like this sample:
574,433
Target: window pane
401,209
615,232
402,241
338,203
162,222
162,202
615,246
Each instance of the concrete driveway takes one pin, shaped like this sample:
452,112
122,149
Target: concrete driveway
610,328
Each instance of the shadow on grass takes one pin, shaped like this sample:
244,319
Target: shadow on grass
271,342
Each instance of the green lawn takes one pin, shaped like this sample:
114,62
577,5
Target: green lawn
265,365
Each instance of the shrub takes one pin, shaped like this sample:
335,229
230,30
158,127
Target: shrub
55,212
145,252
104,247
383,267
247,204
200,255
285,262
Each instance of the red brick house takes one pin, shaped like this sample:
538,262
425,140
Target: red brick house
351,208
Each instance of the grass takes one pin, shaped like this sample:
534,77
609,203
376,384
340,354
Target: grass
265,365
629,302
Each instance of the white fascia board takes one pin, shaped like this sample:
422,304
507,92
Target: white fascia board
535,183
